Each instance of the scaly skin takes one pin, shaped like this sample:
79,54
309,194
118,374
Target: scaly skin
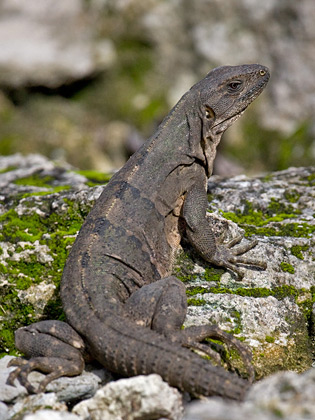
124,308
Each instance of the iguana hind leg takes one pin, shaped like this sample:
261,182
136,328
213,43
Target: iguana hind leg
53,347
162,306
194,337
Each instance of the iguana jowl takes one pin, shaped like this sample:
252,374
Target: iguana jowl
122,306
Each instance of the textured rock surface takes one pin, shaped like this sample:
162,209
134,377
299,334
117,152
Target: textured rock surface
284,395
33,403
3,411
43,206
51,415
49,44
142,397
272,309
8,394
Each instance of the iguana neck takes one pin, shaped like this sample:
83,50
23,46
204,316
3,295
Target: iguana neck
171,145
194,127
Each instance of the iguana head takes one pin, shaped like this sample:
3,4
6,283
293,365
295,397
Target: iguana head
221,98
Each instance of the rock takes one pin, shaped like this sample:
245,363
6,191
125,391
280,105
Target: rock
58,391
44,206
287,394
9,394
37,179
51,415
49,45
34,403
141,397
278,35
275,330
79,387
271,309
18,167
69,389
219,409
3,411
284,395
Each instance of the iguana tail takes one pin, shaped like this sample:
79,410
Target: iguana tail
129,350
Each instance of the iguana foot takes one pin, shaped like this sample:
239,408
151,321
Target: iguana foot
230,254
55,367
53,347
194,338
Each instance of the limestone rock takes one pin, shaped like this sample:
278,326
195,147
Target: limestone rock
3,411
8,394
42,207
285,395
72,389
34,403
51,415
218,409
50,44
271,309
141,397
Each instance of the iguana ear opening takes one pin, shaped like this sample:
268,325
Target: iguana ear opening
209,113
208,117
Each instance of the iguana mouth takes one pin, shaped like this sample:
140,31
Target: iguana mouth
223,125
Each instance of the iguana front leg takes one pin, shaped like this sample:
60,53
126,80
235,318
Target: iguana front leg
202,237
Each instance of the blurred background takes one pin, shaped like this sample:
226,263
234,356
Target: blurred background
87,81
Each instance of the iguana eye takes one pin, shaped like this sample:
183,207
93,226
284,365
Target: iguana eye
209,113
234,86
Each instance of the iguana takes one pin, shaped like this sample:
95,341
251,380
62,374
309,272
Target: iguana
122,306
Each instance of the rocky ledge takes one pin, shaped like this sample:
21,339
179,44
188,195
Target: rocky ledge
42,206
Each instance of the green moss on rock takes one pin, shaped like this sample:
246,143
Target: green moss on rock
35,180
196,302
255,222
297,250
286,267
184,267
94,177
52,234
8,169
213,274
